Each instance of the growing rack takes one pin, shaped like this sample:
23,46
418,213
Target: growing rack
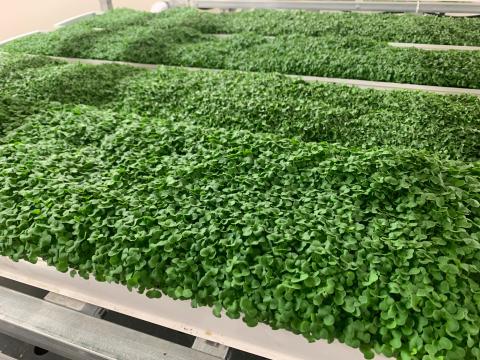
176,314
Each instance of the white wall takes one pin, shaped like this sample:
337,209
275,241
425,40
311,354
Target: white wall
21,16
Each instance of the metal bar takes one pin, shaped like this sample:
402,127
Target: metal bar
212,348
378,85
5,357
407,6
434,47
79,336
64,301
75,304
106,5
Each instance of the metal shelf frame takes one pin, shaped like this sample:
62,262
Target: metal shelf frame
79,336
106,5
174,314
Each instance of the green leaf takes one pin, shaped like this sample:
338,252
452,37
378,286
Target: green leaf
217,310
449,269
153,294
396,343
445,343
329,320
247,231
452,326
373,276
187,293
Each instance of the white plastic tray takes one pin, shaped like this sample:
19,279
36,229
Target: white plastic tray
178,315
75,19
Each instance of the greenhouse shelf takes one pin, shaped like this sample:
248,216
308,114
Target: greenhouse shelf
178,315
76,335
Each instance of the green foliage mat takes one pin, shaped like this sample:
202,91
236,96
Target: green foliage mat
183,37
381,27
377,248
448,125
17,105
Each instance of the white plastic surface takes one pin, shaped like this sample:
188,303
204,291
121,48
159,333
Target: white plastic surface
179,315
18,37
74,19
434,47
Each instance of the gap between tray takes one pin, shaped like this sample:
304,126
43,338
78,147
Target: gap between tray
378,85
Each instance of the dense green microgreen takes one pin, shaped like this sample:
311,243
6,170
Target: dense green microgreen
377,248
352,57
13,111
382,27
371,239
180,37
15,107
449,125
12,65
